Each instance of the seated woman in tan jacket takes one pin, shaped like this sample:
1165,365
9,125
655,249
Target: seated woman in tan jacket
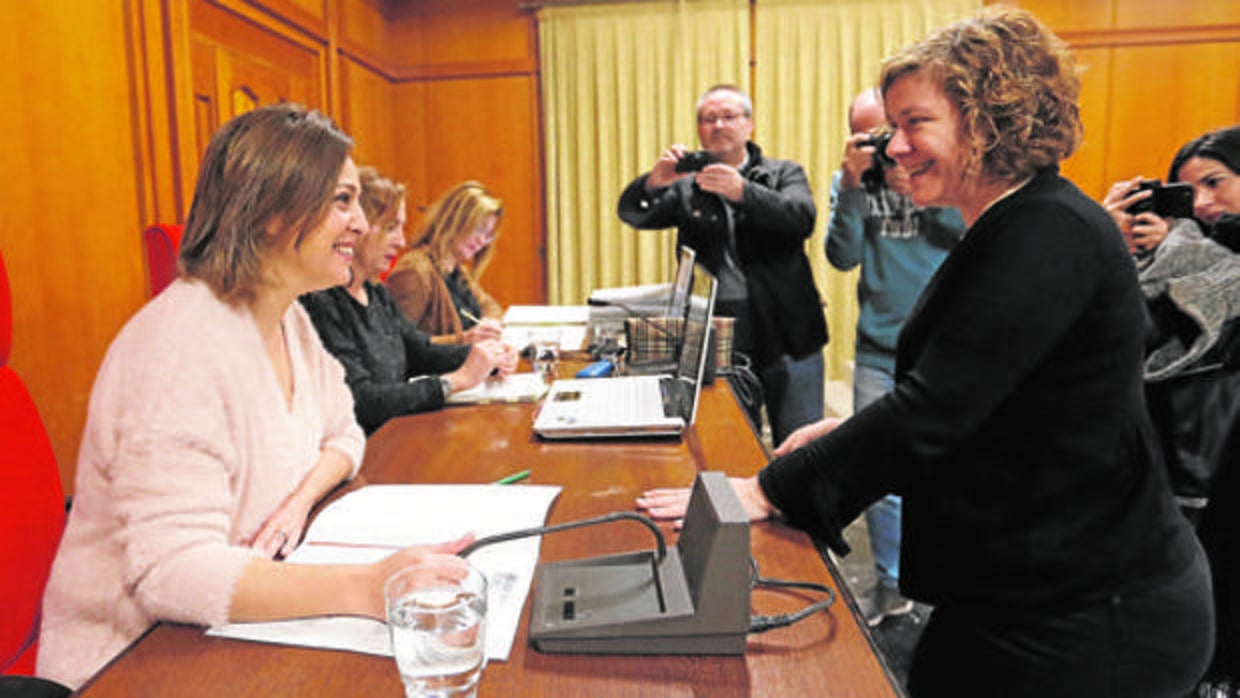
435,283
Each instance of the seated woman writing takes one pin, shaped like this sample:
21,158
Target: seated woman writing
435,283
217,420
391,366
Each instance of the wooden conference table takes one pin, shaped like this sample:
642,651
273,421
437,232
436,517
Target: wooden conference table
828,654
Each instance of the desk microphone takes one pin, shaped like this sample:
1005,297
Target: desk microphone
693,599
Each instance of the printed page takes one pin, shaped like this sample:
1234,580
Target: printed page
370,523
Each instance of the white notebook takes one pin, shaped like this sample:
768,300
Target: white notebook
516,387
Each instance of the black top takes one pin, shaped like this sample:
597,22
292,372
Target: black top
769,227
463,298
381,350
1017,431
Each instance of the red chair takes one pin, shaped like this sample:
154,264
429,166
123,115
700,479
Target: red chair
32,504
162,242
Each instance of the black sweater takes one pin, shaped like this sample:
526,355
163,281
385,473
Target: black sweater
1017,431
381,350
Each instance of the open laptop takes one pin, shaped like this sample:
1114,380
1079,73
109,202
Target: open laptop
629,406
651,336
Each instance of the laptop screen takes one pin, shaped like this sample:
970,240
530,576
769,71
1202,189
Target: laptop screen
698,311
680,284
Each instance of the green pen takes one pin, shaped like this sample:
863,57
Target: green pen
515,477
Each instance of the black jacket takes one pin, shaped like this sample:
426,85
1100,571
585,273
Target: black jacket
772,222
1017,431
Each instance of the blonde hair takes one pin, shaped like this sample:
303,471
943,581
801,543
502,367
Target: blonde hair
274,166
1014,82
458,213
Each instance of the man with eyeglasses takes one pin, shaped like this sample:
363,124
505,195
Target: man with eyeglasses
748,217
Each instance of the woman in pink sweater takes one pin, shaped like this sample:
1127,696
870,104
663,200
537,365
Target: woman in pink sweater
217,419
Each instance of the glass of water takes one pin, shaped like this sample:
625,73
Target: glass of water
436,613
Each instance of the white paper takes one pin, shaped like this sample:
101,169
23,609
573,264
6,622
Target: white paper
372,522
547,315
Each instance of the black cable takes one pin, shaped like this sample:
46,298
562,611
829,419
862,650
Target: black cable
761,624
746,385
539,530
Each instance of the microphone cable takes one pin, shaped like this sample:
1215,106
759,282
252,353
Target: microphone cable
746,385
757,624
581,523
761,624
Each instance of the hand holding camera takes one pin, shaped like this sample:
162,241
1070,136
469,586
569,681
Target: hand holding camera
874,178
866,161
1142,207
1165,200
665,169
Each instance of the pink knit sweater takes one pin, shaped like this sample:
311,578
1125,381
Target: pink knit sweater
189,446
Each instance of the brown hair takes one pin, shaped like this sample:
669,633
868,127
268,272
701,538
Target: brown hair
457,214
276,166
1014,82
380,197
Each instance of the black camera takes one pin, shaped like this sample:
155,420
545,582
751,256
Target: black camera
873,179
1167,200
694,161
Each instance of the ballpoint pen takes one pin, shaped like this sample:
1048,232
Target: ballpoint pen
471,317
515,477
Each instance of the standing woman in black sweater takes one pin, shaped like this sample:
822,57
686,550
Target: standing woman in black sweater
1037,517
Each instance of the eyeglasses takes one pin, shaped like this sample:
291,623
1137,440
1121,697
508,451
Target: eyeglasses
728,118
484,233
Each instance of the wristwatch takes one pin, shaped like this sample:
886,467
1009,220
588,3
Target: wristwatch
446,385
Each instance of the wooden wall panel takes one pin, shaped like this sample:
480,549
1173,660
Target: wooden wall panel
410,137
1088,166
1157,75
308,15
364,31
368,115
459,38
70,231
487,129
1165,15
1156,108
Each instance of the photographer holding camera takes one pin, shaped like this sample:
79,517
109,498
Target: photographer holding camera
899,246
1190,275
748,217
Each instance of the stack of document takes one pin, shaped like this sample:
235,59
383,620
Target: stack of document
375,521
522,321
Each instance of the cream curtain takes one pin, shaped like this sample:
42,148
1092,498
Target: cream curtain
812,58
620,83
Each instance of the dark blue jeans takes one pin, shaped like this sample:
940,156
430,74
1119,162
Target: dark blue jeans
793,391
1151,644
